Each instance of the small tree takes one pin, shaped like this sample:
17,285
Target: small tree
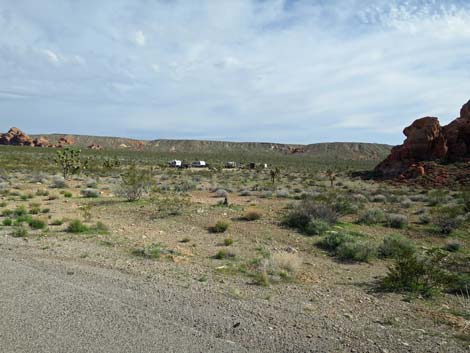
331,174
274,174
70,161
134,183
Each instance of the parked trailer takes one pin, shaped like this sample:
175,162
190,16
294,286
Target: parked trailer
199,164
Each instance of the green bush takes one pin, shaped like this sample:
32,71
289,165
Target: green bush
316,227
311,217
153,251
397,221
447,218
20,232
36,223
372,216
219,227
334,239
224,254
395,246
76,226
417,273
20,211
7,222
135,183
356,250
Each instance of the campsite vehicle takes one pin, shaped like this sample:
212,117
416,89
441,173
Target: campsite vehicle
175,163
199,164
231,165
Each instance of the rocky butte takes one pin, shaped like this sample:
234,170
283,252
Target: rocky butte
426,140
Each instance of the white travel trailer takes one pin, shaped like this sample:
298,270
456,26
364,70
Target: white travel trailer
175,163
199,164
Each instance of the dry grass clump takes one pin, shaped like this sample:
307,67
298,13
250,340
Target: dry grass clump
285,262
252,215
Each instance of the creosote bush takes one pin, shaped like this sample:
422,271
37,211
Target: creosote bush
135,183
311,217
372,216
396,221
395,246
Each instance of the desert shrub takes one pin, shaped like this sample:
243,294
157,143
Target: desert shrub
58,182
286,264
252,215
219,227
334,239
228,241
37,223
282,194
91,183
135,183
221,193
100,228
437,197
306,215
397,221
34,208
90,193
424,219
45,210
447,218
185,186
20,211
395,246
7,212
316,227
77,226
372,216
417,273
245,192
419,198
356,250
7,222
67,194
406,203
224,254
453,246
153,251
379,198
19,232
57,222
42,192
359,198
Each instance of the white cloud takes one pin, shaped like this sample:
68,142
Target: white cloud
140,38
51,56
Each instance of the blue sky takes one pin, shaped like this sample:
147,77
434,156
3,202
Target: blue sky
292,71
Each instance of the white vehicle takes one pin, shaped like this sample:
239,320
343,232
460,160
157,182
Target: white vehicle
231,165
175,163
199,164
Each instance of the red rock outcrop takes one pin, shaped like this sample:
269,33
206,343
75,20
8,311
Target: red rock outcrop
95,146
65,141
428,141
41,142
16,137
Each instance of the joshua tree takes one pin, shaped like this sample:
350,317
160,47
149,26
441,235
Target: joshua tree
70,161
331,174
274,174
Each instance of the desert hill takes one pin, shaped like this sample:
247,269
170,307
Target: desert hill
340,150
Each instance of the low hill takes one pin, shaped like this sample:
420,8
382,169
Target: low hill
339,150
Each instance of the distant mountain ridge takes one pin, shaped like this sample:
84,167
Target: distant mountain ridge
340,150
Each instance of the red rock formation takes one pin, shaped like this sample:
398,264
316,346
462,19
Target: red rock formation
41,142
428,141
95,146
16,137
65,141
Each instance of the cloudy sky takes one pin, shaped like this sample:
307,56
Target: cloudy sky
296,71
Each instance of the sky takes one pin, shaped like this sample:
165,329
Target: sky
288,71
